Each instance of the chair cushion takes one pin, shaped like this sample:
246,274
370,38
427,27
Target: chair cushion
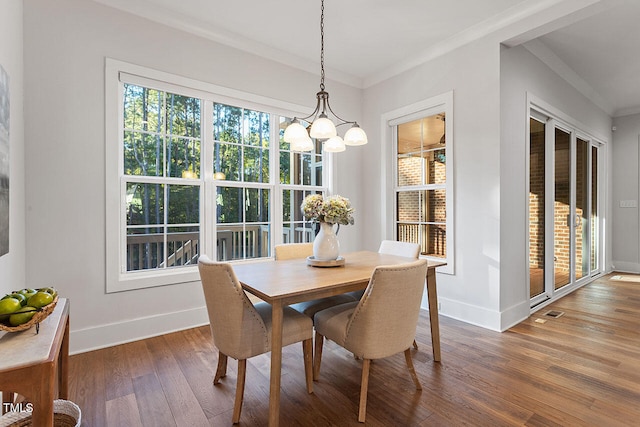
332,322
384,321
310,308
296,327
356,295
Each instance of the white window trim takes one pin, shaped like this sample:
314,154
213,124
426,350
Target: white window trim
389,120
117,280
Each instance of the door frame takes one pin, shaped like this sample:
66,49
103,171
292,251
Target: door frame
552,119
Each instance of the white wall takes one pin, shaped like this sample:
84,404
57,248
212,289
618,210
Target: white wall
12,265
472,73
626,232
522,72
490,117
66,43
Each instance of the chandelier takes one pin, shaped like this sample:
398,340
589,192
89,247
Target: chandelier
322,128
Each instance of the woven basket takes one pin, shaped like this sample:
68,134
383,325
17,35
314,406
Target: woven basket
40,315
65,414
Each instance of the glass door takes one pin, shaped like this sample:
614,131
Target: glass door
537,203
563,187
562,209
595,213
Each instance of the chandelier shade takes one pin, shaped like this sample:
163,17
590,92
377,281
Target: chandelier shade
334,145
322,127
355,136
303,144
295,132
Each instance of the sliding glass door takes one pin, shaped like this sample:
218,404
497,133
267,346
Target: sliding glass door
563,208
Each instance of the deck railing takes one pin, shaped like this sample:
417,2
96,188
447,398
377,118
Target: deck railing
433,242
146,251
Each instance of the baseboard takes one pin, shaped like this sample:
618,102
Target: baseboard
478,316
111,334
514,315
626,267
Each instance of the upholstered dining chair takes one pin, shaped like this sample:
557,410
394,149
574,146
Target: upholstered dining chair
393,247
381,324
308,308
242,330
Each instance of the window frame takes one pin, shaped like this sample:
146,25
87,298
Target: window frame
117,73
389,121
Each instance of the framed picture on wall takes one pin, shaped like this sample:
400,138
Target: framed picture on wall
4,162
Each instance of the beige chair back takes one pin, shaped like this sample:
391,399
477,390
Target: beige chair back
393,247
293,250
237,328
384,322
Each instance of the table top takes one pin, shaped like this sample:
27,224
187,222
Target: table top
293,280
18,349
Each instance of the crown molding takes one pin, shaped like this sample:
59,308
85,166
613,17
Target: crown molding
519,19
150,11
557,65
520,23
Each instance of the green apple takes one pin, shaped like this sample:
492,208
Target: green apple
40,299
27,292
49,290
8,306
23,315
20,297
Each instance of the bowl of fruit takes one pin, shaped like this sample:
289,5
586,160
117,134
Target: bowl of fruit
20,310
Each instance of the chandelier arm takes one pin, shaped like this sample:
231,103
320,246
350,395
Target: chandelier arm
315,113
344,122
347,123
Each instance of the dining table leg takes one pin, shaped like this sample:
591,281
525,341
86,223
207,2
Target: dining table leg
432,295
276,363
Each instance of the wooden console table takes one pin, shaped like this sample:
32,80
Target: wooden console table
30,363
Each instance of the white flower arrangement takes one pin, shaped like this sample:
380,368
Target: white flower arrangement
333,209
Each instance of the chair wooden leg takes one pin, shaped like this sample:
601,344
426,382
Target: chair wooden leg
415,344
364,387
237,406
221,370
412,371
317,356
307,351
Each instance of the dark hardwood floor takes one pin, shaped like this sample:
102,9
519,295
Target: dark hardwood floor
579,369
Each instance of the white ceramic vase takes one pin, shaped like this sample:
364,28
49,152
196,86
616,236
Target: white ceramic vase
326,246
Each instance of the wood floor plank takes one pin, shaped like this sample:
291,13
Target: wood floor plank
123,411
87,387
139,359
577,370
118,381
200,381
151,402
182,401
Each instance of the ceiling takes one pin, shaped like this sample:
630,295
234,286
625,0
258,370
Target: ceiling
367,41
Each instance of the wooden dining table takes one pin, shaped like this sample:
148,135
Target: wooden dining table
285,282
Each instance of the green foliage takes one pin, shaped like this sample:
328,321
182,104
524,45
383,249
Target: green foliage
162,140
161,132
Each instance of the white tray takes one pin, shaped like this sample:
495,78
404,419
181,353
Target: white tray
339,262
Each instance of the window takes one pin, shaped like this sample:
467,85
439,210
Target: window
161,145
420,143
191,170
300,175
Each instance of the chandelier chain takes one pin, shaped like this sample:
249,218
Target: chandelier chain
322,45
